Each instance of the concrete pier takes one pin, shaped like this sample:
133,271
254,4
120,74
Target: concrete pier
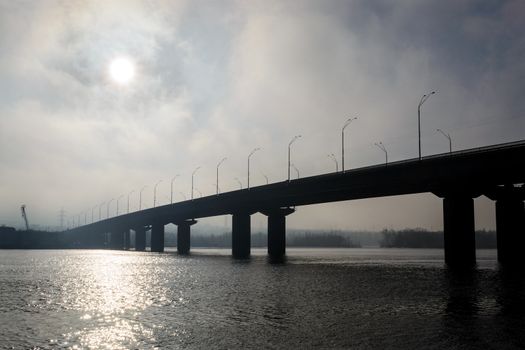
116,239
458,226
510,228
277,231
127,242
157,237
510,222
140,239
241,235
183,236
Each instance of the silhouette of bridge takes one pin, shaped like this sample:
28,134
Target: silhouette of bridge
497,172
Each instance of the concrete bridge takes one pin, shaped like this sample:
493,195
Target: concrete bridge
497,172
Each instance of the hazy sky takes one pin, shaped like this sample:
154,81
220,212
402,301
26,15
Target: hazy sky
216,79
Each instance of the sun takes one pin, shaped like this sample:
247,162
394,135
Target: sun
122,70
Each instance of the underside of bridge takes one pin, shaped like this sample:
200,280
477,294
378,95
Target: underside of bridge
458,227
494,171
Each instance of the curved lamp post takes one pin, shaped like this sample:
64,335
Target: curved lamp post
449,139
99,210
289,147
129,194
140,196
424,98
155,193
171,187
382,148
348,121
332,156
118,200
249,156
296,170
199,192
92,216
217,179
239,182
192,176
107,207
266,177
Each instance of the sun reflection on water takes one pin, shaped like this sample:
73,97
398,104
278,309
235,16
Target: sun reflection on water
111,290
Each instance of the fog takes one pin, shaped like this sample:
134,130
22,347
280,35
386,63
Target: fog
217,79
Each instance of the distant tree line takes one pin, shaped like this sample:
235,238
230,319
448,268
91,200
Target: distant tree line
259,240
421,238
33,239
407,238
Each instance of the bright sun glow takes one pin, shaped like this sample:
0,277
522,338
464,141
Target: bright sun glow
122,70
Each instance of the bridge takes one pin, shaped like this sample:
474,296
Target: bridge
497,172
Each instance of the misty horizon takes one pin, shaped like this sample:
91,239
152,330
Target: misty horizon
197,83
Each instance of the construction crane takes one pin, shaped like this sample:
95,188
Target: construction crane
24,215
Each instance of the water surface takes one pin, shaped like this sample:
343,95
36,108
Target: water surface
318,298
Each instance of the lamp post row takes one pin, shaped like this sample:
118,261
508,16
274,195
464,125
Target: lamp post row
380,145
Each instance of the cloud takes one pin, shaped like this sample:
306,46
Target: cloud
219,79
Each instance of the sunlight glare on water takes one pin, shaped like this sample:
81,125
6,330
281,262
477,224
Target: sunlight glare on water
338,298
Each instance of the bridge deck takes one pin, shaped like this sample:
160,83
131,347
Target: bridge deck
472,171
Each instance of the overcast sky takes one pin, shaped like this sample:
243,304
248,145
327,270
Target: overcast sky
216,79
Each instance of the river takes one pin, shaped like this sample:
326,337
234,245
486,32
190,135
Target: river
318,298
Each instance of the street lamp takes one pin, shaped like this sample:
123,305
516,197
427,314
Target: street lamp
192,176
107,207
155,193
129,194
423,100
140,197
382,148
171,187
449,139
240,183
348,121
217,180
289,146
266,177
335,161
118,199
296,170
99,210
251,153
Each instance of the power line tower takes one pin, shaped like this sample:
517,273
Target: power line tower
24,215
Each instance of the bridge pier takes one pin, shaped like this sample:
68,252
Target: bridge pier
157,237
116,239
241,235
459,232
277,231
140,239
183,236
510,222
127,242
510,230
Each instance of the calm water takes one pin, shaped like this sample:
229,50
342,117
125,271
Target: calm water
343,298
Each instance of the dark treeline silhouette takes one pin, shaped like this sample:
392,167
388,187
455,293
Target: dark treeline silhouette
421,238
260,240
407,238
32,239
